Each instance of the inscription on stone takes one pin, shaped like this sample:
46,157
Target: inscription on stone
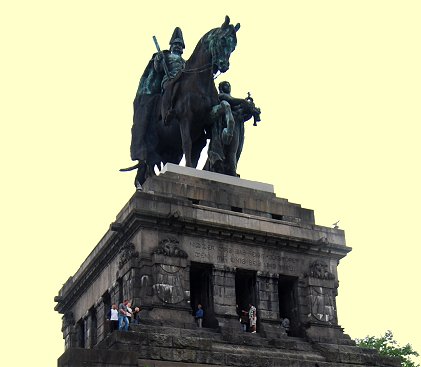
243,256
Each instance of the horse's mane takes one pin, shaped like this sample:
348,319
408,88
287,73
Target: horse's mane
205,41
203,44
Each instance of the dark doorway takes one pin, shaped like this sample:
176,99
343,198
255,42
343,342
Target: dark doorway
245,288
201,292
107,309
287,292
245,292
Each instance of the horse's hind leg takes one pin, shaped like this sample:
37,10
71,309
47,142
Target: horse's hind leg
186,143
140,176
197,150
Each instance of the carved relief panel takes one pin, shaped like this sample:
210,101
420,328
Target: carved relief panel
170,273
322,293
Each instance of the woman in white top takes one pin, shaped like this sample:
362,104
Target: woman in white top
113,317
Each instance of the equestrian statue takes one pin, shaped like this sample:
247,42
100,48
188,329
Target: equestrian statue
177,103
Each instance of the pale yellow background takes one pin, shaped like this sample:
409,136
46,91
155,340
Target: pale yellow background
338,83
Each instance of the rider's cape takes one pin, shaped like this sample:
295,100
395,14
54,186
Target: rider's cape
146,107
150,82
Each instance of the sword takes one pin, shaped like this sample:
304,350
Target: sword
167,73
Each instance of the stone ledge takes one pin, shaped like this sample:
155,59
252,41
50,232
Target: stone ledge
217,177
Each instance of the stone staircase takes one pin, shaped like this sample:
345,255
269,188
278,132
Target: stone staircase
159,346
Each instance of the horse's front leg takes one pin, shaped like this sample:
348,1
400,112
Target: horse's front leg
186,142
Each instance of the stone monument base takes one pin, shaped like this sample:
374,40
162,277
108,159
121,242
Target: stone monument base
162,346
194,237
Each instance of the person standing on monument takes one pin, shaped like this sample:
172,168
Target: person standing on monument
252,318
136,316
123,321
113,318
199,315
129,311
151,100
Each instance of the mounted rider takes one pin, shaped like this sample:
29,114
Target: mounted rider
173,59
163,67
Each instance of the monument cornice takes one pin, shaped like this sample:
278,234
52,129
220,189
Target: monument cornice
195,227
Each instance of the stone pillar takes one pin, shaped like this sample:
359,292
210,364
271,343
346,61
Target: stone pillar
268,322
142,287
115,293
303,305
127,283
69,331
128,260
224,296
101,323
87,330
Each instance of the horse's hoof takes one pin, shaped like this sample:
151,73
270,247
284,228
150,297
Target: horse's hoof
226,137
138,186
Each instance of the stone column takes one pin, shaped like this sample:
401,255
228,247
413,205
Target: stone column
268,322
87,330
69,331
128,280
303,304
115,293
101,323
142,287
224,296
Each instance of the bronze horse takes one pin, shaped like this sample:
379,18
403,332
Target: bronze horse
193,101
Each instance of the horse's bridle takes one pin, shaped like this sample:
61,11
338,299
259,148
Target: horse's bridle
197,70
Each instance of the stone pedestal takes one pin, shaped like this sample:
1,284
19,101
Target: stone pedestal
223,279
268,305
101,325
198,237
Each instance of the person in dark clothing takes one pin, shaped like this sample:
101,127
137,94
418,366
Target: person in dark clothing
136,316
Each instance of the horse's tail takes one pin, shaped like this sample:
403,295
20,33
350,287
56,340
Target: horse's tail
132,167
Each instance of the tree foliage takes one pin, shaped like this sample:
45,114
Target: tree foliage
387,346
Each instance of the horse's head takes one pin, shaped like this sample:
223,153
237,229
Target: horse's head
221,43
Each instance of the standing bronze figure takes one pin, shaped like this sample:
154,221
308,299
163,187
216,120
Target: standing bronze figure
223,154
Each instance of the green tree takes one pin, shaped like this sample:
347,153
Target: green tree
387,346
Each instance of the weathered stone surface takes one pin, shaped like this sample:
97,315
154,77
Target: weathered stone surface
189,239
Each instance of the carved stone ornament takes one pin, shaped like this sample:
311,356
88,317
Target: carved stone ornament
319,269
127,252
169,247
168,286
323,304
67,320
